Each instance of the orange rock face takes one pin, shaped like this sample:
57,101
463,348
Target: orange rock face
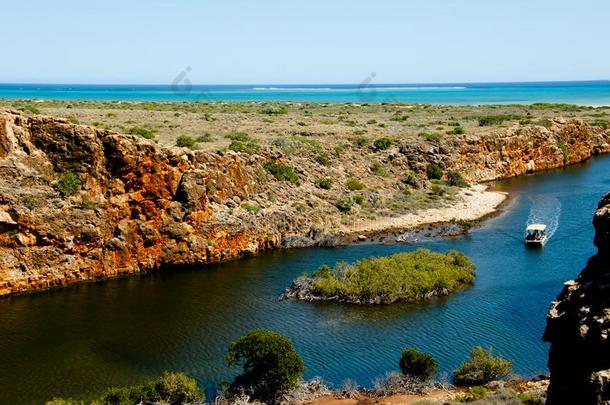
143,206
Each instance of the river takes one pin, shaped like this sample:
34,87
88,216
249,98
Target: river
78,340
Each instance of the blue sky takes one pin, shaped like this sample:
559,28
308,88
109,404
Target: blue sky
313,41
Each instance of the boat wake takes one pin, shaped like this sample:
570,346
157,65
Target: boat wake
545,210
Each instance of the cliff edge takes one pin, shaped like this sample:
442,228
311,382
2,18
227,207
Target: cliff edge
578,327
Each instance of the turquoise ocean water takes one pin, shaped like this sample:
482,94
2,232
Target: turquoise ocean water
585,93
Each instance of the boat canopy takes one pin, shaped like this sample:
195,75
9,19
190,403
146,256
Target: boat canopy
536,227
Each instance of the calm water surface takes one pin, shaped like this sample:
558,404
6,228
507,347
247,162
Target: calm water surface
581,92
81,339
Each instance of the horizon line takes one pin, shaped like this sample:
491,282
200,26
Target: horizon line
371,84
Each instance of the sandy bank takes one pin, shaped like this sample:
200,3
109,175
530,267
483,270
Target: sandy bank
474,203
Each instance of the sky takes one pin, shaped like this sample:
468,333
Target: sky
303,42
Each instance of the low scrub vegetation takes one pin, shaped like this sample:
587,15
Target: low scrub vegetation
325,184
170,389
282,172
382,143
143,132
434,171
185,141
407,277
455,179
354,184
68,184
481,368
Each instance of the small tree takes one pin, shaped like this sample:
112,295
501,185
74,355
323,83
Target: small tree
69,184
418,364
270,364
185,141
481,368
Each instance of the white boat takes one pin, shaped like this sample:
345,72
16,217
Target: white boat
535,235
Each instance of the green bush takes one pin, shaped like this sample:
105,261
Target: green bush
282,172
489,120
69,184
143,132
359,199
345,204
434,171
354,185
185,141
169,388
360,141
238,136
456,179
30,108
481,368
418,364
251,208
249,147
270,363
457,131
407,277
379,170
325,184
382,143
431,136
274,110
207,137
323,160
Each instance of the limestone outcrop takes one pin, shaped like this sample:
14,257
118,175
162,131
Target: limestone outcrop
142,206
578,327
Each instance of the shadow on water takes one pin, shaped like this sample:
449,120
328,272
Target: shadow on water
81,339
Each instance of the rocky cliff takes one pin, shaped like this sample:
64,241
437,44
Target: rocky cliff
141,206
578,327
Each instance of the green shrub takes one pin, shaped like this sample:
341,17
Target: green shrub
185,141
359,199
434,171
143,132
489,120
325,184
481,368
30,108
249,147
382,143
207,137
529,399
354,185
238,136
455,179
418,364
282,172
30,201
173,389
323,160
360,141
379,170
251,208
566,153
69,184
67,401
270,363
431,136
407,277
274,110
345,204
473,394
457,131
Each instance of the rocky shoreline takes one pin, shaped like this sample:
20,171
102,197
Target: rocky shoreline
140,206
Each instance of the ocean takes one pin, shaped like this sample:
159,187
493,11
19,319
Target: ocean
593,93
